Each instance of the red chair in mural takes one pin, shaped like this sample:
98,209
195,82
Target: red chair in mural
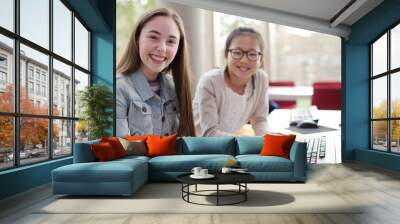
284,104
327,95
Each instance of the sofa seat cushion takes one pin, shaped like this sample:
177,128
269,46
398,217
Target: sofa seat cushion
112,171
257,163
185,163
206,145
133,158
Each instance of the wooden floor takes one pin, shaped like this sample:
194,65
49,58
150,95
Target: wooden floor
377,188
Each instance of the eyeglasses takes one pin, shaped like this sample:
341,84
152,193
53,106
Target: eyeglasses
238,54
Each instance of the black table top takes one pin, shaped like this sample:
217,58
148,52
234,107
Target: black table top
220,178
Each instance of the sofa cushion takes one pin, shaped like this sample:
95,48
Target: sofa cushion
103,151
116,145
257,163
185,163
249,145
136,137
129,158
134,147
277,145
112,171
206,145
161,145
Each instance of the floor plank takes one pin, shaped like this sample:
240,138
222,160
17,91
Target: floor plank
377,190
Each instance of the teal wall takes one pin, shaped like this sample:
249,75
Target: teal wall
99,16
24,178
355,54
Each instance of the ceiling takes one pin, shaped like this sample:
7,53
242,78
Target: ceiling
326,16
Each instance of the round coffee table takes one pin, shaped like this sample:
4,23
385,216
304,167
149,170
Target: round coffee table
238,179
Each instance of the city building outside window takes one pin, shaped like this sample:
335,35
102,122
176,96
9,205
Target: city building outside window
34,81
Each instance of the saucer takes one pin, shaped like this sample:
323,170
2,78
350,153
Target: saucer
208,176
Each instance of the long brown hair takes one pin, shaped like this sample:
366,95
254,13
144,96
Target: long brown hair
179,67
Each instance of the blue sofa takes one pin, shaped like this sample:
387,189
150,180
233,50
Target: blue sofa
125,176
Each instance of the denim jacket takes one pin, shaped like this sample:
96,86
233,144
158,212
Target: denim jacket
140,111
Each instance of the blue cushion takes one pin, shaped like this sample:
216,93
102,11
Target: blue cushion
185,163
118,177
115,171
249,145
206,145
83,153
257,163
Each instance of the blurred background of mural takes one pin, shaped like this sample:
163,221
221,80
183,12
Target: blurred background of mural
127,13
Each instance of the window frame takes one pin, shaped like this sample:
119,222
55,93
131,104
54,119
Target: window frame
16,115
388,74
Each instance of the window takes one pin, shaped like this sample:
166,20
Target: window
7,86
43,90
62,29
3,71
81,81
34,25
385,96
37,74
3,61
30,87
7,14
54,125
81,45
30,72
38,89
3,79
43,77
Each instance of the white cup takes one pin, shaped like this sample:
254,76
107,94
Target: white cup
196,170
226,170
203,172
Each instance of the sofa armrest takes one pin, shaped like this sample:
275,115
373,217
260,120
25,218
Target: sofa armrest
83,152
298,155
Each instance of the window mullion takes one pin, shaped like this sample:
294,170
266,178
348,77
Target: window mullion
50,81
73,82
389,106
371,50
16,84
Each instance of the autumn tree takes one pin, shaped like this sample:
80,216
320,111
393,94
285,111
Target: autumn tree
6,122
380,127
33,130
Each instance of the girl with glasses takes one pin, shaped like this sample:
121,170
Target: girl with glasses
229,97
153,88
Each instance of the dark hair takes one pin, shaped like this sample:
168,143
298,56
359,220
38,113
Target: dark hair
243,31
179,67
239,32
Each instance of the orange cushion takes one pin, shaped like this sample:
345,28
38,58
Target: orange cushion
103,151
277,145
116,145
161,145
136,137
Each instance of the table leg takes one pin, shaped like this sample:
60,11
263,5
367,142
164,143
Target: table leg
188,189
217,194
245,193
